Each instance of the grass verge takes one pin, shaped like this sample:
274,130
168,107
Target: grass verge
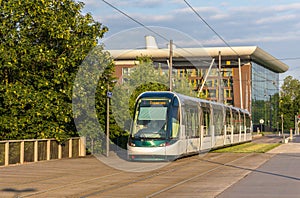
248,148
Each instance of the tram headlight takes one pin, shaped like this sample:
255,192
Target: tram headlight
164,144
131,144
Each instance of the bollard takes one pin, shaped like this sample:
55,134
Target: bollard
291,134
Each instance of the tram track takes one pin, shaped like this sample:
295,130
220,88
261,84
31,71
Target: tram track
116,183
194,177
128,180
102,178
214,163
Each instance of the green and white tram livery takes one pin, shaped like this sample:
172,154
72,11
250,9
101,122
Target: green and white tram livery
168,125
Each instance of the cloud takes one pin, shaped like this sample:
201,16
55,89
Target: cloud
284,7
147,3
202,9
149,18
253,39
259,9
135,3
91,3
229,21
276,19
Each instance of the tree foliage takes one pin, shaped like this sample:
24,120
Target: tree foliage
143,77
290,101
42,44
93,79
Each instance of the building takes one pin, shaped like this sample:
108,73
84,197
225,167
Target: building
248,76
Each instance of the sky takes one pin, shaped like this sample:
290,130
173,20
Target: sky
272,25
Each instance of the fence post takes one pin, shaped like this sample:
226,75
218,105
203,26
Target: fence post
82,143
81,149
22,152
59,151
6,160
48,149
36,151
70,148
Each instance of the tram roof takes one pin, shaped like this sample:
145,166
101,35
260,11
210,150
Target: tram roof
245,53
184,99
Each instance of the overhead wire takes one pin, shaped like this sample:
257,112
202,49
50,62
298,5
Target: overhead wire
220,37
144,26
136,21
202,19
209,26
166,39
225,42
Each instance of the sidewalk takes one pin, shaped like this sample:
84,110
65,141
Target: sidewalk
278,177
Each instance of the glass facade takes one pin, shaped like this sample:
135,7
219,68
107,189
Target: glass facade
265,98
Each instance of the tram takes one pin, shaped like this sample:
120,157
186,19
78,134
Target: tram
168,125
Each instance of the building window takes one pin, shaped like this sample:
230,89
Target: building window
125,73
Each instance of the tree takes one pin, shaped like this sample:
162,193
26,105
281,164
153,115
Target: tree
143,77
93,79
183,86
290,101
42,44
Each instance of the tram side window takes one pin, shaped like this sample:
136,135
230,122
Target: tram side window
188,126
228,120
195,122
218,121
192,120
242,122
236,122
248,124
175,119
206,121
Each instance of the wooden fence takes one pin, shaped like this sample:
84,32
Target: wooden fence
22,151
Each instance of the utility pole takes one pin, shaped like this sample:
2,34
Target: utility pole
206,75
171,65
240,79
220,98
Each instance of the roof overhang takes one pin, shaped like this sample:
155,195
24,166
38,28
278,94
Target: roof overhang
245,53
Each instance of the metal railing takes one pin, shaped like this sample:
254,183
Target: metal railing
34,150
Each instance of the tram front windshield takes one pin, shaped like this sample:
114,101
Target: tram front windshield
150,120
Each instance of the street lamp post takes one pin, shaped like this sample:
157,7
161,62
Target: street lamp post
108,97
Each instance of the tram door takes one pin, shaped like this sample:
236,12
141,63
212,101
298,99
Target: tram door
192,129
177,129
205,128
